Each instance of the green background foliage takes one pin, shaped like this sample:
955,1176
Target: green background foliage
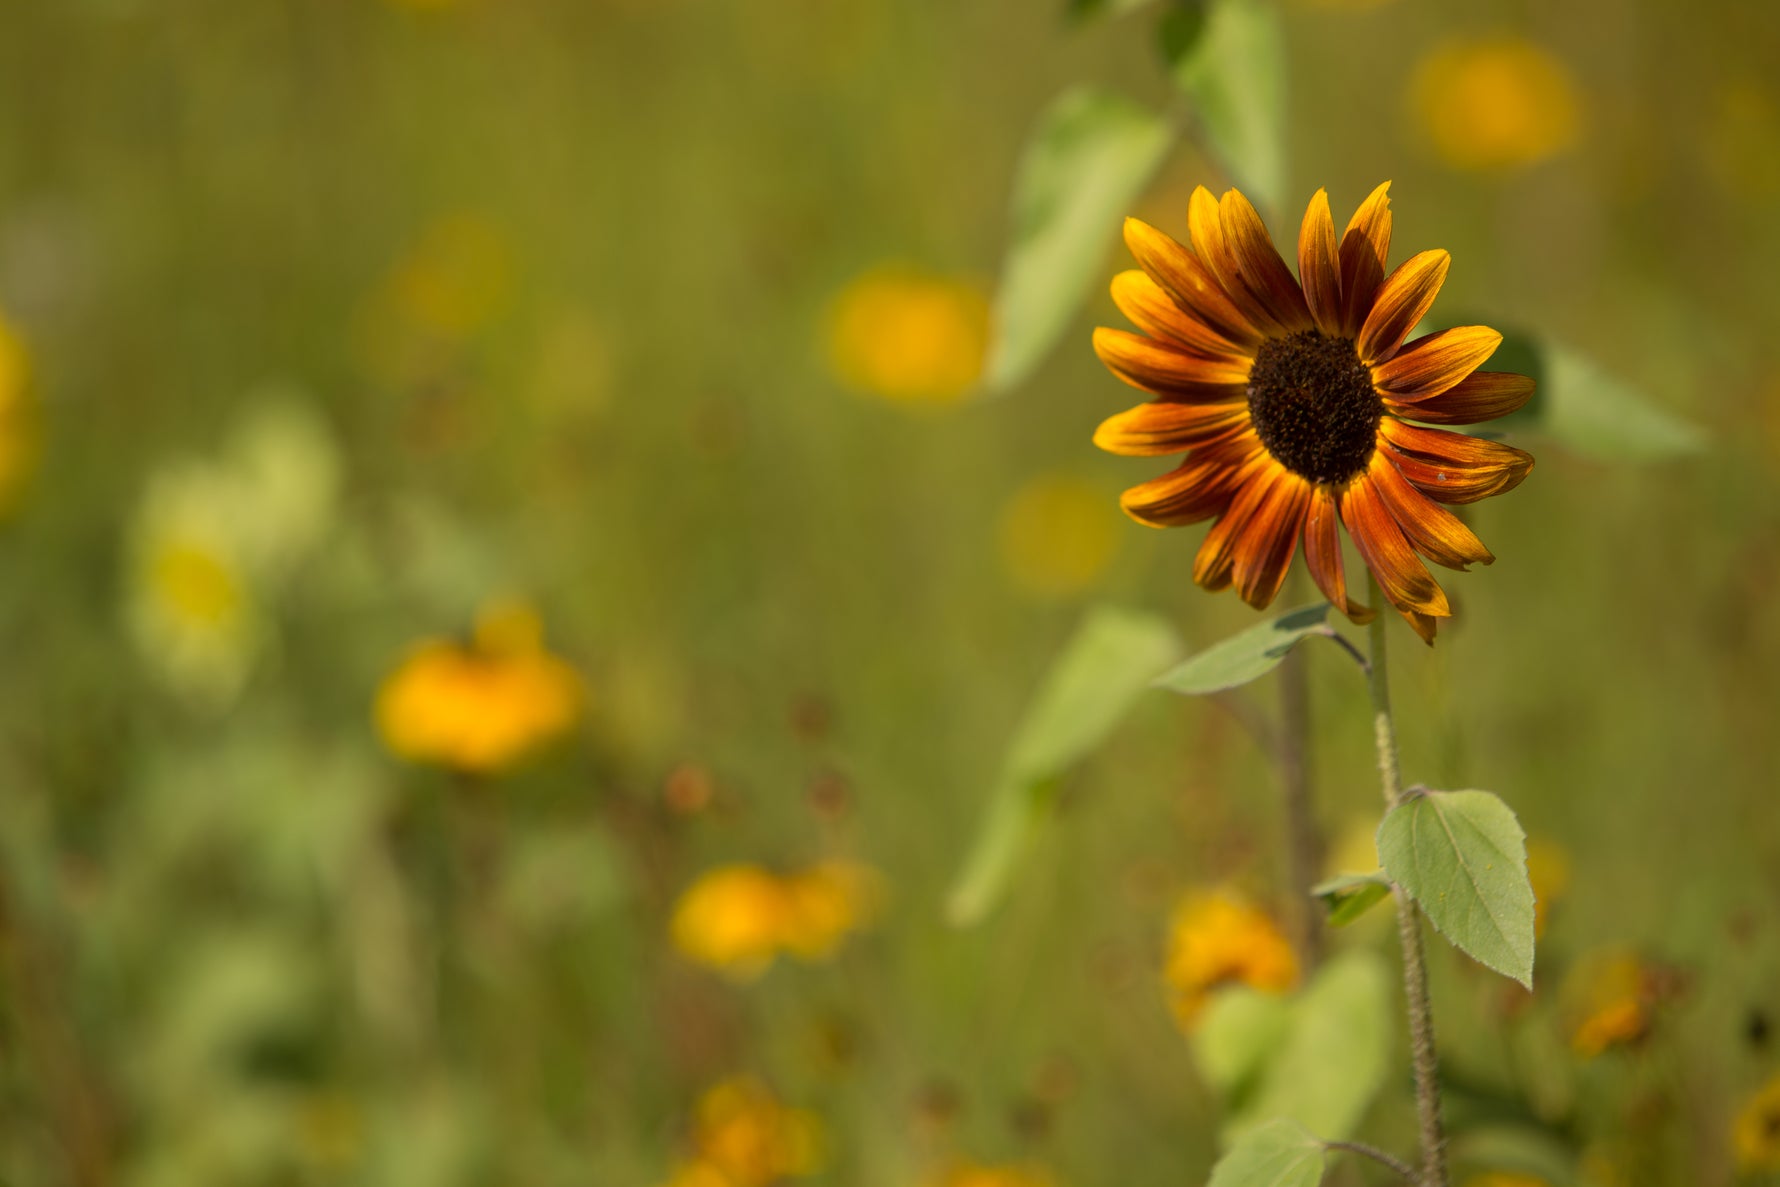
243,944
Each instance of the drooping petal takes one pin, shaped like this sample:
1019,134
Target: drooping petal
1322,553
1435,362
1365,253
1480,396
1405,581
1214,566
1265,547
1157,314
1190,284
1431,529
1451,467
1403,299
1171,371
1167,427
1319,265
1197,489
1258,266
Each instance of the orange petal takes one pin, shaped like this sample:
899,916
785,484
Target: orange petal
1365,253
1431,529
1319,266
1403,299
1205,227
1157,428
1451,467
1199,488
1265,546
1171,370
1405,581
1422,624
1157,314
1322,553
1190,284
1480,396
1435,362
1214,565
1258,266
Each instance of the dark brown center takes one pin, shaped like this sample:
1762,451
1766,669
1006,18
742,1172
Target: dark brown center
1314,406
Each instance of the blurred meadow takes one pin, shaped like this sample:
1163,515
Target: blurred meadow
517,602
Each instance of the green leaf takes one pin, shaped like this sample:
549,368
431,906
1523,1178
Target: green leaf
1601,416
1349,896
1086,162
1277,1154
1241,1030
1234,72
1336,1054
1463,857
1249,655
1109,662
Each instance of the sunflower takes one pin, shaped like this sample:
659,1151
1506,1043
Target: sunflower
1293,401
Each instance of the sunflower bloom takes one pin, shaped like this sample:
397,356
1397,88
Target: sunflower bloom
1218,940
1757,1130
1295,403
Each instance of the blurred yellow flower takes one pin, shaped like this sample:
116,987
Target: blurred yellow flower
737,919
191,608
456,277
970,1174
214,540
909,336
1614,996
481,706
18,430
1757,1130
1055,538
1219,939
1548,869
742,1136
1499,103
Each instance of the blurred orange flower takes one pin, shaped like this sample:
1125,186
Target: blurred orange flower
1756,1133
970,1174
1496,104
18,435
483,706
909,336
1614,998
742,1136
737,919
1219,939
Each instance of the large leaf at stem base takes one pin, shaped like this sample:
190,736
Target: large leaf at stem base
1462,857
1109,662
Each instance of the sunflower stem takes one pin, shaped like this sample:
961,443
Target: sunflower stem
1409,927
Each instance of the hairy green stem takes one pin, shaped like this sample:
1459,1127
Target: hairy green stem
1409,926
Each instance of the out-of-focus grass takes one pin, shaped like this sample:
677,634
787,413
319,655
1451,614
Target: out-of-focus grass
555,281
